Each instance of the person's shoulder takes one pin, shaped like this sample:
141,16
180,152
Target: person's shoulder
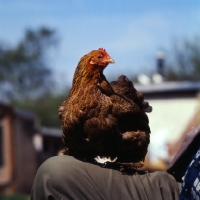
161,176
61,162
57,160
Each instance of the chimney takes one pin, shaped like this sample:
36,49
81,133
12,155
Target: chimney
160,60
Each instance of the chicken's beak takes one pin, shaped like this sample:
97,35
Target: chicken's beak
109,60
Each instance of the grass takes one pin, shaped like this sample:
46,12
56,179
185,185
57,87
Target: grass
14,197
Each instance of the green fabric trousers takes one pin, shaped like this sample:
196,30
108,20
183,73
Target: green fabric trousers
65,177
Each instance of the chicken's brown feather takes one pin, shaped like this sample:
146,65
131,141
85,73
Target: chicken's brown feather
102,119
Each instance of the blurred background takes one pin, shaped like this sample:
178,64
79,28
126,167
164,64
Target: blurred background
155,44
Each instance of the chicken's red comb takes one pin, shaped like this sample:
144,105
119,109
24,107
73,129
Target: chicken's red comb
104,51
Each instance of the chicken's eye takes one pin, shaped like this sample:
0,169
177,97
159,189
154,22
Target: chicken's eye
98,57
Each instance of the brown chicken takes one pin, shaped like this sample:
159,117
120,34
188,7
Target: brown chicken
102,119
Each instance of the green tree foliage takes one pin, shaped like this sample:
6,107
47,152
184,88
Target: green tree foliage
24,70
26,79
46,107
186,65
14,197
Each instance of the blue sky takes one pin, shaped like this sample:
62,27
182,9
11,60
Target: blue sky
131,31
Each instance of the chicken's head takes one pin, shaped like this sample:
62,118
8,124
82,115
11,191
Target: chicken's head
100,58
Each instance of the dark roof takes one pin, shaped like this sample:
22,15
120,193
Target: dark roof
169,87
4,108
24,114
54,132
18,112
